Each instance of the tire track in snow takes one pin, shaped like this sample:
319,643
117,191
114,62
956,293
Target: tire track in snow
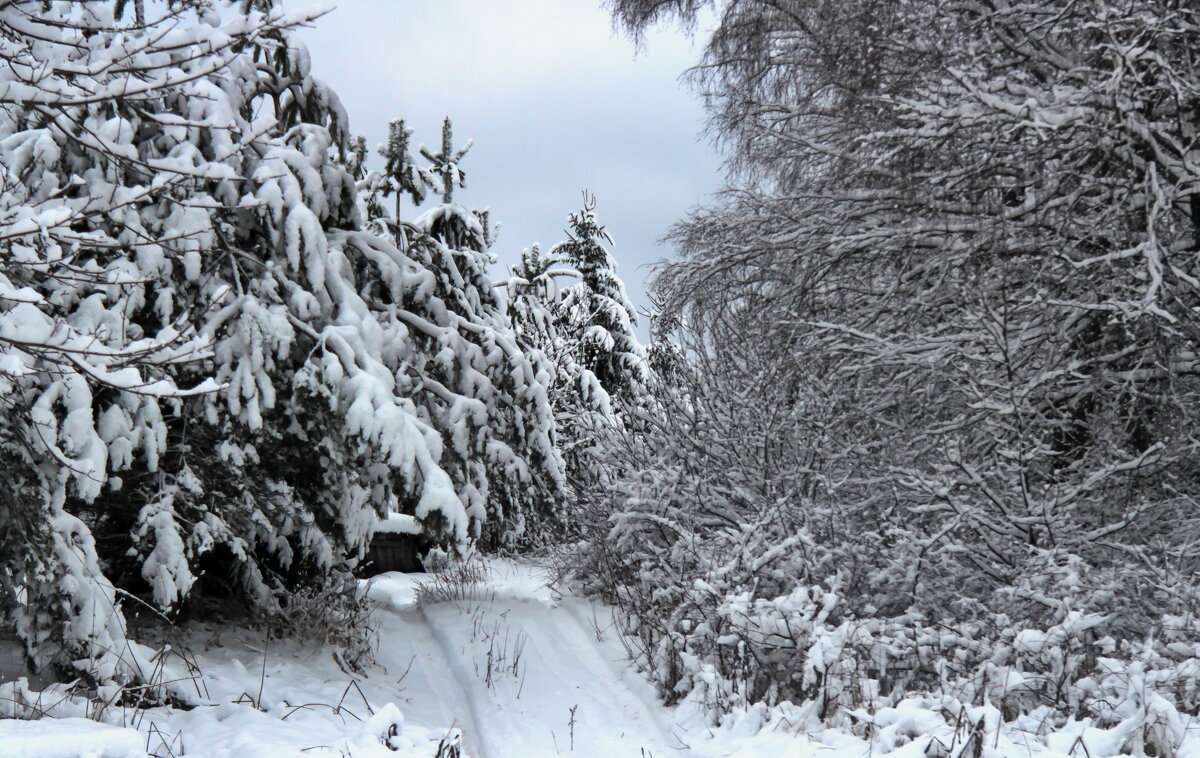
649,706
473,737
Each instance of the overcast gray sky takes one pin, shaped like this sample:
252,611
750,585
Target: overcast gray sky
555,101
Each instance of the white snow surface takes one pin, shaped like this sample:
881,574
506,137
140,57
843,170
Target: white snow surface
553,656
68,738
398,523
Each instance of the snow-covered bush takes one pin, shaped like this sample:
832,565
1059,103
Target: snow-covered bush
745,580
334,613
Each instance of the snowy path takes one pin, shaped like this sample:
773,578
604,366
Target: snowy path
521,672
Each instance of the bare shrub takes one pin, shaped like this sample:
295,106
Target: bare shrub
337,614
458,582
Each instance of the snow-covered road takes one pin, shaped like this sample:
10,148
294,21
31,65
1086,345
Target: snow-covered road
522,671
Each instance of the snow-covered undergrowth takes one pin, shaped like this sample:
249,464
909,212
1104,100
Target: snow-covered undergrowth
491,661
902,688
937,727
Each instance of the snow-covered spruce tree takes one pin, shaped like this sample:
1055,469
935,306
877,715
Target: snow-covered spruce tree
532,292
172,195
478,383
967,237
601,368
583,410
664,354
535,307
586,331
101,278
595,316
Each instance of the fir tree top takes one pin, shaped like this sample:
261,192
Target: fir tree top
400,171
446,162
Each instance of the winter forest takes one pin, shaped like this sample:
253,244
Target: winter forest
902,459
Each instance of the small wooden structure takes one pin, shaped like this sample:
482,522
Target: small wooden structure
396,546
393,552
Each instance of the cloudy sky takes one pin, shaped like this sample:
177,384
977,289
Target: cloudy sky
554,99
